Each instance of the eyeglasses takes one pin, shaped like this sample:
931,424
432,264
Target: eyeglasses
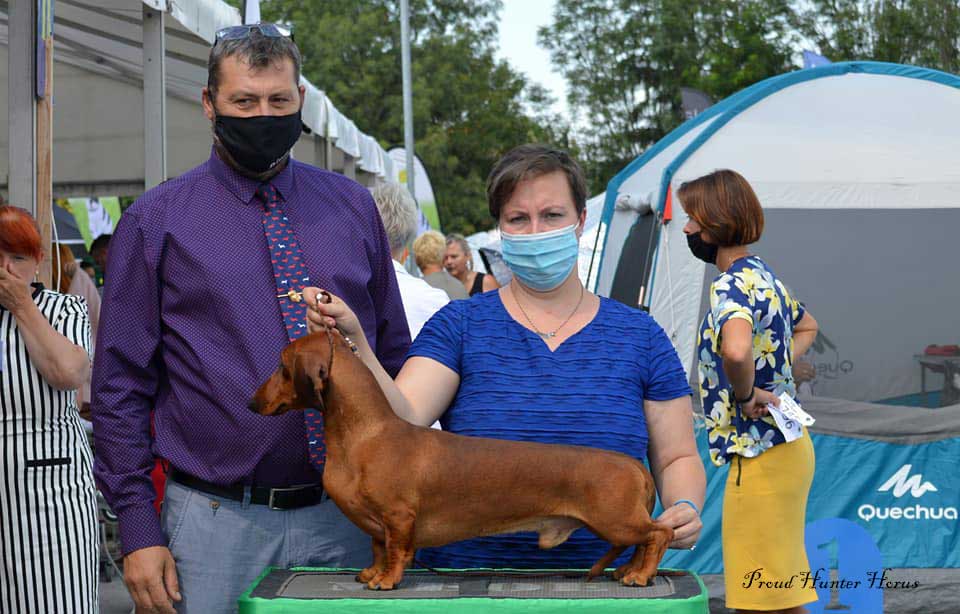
269,30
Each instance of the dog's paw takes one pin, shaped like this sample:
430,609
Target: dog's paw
382,582
635,578
366,575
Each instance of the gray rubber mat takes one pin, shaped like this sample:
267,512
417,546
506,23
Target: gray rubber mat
420,584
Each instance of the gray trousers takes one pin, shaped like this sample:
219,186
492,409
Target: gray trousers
221,546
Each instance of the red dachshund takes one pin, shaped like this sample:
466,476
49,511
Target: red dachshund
410,487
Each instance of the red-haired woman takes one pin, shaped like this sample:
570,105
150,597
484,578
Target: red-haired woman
747,344
48,523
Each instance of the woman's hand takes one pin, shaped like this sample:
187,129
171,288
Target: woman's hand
803,371
686,525
335,313
757,406
14,291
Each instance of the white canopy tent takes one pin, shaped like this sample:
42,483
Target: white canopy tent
857,167
101,121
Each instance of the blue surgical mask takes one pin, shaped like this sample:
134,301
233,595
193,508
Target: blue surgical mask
544,260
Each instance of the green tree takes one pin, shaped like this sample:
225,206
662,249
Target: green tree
626,60
919,32
469,108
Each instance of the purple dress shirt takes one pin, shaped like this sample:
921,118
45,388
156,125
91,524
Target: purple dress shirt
190,327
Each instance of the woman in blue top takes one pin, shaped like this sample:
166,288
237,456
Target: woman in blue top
544,360
747,343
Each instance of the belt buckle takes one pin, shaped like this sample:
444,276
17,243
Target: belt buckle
273,491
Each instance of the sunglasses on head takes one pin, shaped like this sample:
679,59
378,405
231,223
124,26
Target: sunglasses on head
269,30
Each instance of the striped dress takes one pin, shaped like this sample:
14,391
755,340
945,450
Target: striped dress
48,518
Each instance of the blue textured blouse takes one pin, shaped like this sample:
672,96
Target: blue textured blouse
588,392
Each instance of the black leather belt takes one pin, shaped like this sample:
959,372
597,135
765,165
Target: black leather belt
274,498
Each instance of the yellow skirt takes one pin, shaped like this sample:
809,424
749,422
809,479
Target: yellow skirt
764,511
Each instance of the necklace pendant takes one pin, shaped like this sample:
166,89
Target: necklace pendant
547,335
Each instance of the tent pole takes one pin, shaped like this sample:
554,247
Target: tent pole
320,151
22,110
407,93
44,102
327,152
154,98
350,166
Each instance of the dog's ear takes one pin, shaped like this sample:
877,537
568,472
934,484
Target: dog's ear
309,378
303,379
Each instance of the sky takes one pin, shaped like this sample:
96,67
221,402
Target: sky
519,21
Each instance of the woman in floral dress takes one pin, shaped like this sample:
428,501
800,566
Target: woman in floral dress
746,348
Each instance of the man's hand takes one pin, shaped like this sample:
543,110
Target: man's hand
757,406
685,523
151,577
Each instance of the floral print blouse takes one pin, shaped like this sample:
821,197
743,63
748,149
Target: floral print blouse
749,290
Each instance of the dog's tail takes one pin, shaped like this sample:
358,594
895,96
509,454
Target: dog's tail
604,562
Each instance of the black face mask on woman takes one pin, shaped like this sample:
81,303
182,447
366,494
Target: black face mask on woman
701,249
258,143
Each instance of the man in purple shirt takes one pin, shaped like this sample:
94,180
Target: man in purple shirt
191,325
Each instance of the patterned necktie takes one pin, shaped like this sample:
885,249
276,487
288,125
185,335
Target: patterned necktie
290,272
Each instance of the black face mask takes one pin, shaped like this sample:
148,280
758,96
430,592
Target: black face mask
258,143
701,249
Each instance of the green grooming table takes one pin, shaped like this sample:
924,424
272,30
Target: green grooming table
334,591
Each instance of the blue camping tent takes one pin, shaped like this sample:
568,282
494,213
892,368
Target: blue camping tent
857,166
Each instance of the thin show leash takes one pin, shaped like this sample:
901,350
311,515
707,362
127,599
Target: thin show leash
323,297
553,333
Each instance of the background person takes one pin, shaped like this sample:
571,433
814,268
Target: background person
545,360
194,319
747,344
49,540
458,261
87,266
73,280
398,211
428,251
99,250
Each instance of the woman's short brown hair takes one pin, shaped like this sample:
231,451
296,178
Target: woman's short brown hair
529,162
725,207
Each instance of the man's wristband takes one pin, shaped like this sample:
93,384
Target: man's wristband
753,391
688,502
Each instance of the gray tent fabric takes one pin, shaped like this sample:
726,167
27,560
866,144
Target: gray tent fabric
878,303
67,230
888,423
636,259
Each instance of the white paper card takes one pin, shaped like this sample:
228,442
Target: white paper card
791,429
790,417
792,410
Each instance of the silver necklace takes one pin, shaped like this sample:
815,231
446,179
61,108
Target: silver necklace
553,333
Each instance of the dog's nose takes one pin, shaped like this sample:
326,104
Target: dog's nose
252,406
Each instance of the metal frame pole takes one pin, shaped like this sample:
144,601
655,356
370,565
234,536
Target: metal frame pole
154,98
320,151
22,109
407,93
